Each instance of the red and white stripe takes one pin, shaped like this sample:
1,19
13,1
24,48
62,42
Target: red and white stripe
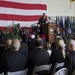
25,12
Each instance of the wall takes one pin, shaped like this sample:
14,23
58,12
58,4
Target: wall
60,8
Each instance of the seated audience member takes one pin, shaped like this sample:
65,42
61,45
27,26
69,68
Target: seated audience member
13,61
31,43
37,57
58,55
48,47
68,49
55,43
70,58
37,36
24,49
7,47
8,44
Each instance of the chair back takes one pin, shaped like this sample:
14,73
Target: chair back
57,66
73,72
23,72
41,68
62,71
2,73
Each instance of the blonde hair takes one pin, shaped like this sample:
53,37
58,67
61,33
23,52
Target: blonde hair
57,41
47,45
61,44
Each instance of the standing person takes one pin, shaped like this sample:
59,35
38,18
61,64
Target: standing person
31,43
68,25
1,34
42,21
36,29
37,57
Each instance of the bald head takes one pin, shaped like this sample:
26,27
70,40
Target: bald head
71,44
15,44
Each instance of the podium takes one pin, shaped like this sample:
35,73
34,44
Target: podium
48,30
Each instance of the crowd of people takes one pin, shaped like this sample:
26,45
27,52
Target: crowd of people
18,56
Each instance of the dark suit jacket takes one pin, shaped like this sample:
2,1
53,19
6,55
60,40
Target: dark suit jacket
31,45
24,49
70,62
36,29
36,58
42,20
13,61
57,56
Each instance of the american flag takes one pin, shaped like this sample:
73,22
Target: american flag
25,12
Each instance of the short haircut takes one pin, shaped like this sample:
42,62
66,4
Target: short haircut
8,42
72,42
38,42
15,44
48,45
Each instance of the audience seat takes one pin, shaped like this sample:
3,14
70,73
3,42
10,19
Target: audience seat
23,72
41,70
2,74
62,71
59,65
56,67
73,72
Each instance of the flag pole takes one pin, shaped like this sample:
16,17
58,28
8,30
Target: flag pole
70,4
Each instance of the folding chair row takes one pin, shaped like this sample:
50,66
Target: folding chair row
57,66
2,74
42,69
22,72
62,71
73,72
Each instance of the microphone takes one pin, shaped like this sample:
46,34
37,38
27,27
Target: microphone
49,18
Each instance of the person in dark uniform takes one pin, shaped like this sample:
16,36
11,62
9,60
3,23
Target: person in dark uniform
36,29
42,21
1,34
